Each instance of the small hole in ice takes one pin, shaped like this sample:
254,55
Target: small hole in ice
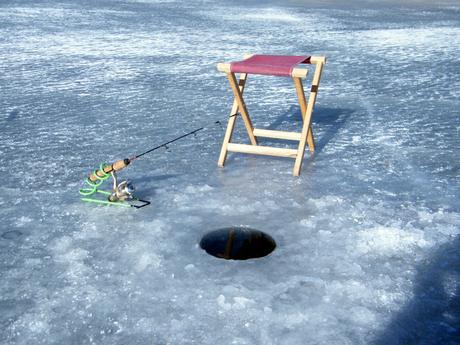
237,243
11,235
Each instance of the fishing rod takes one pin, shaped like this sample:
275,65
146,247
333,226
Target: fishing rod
123,163
123,192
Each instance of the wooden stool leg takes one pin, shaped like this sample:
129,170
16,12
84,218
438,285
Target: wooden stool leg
231,122
242,107
307,118
303,109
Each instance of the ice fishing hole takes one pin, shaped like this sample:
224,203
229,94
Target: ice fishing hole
237,243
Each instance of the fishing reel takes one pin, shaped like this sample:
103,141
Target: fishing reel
121,191
121,194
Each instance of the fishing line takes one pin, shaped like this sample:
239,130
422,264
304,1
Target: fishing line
176,139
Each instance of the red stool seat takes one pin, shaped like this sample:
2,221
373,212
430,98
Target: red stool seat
278,65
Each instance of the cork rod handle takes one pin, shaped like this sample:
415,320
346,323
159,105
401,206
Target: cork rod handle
117,166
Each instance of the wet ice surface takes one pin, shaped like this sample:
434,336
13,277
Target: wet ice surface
367,251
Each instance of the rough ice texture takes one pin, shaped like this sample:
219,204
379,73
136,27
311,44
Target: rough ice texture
368,246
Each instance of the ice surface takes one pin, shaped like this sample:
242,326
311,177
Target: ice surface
368,235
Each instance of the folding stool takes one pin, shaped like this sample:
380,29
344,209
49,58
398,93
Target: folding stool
275,65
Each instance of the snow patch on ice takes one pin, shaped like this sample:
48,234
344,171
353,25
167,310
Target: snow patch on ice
272,14
23,220
362,316
413,37
239,302
34,323
147,260
198,189
389,240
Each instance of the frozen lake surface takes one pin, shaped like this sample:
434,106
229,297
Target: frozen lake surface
368,246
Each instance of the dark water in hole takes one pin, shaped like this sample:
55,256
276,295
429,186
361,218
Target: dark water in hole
237,243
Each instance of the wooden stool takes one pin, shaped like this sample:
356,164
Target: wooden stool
276,65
